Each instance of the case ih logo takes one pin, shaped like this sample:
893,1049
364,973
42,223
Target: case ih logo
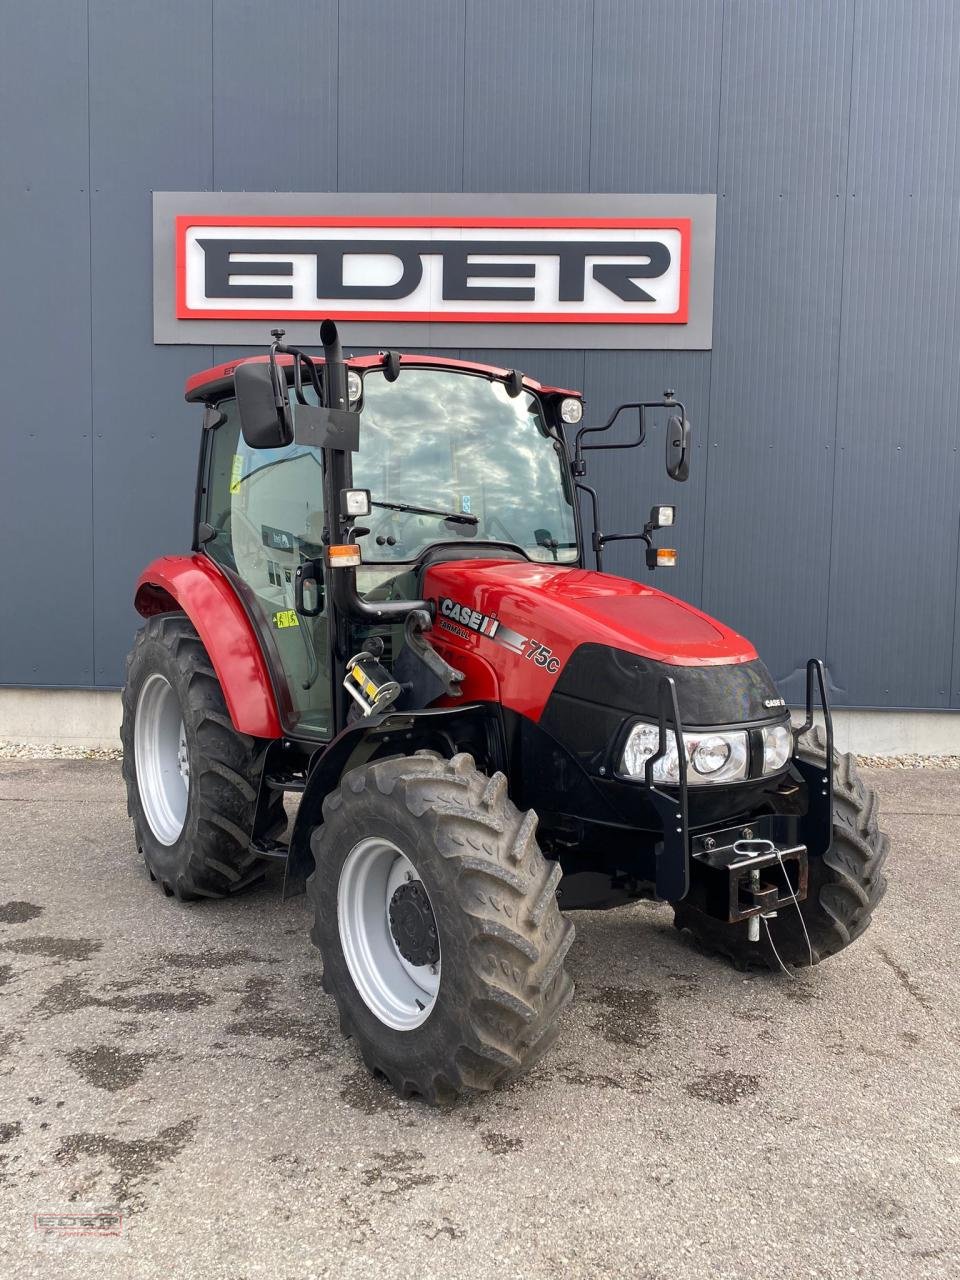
458,269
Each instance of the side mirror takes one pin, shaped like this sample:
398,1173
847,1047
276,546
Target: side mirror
678,448
309,579
544,538
265,417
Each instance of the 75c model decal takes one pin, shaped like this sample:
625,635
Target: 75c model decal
461,618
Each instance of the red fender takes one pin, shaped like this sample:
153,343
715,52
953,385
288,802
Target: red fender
195,585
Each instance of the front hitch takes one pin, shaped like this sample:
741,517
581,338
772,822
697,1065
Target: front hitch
745,876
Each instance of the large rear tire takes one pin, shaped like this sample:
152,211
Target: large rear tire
192,780
437,919
844,887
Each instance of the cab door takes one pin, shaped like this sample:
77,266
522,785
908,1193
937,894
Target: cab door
265,507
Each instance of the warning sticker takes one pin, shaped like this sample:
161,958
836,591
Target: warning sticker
236,473
285,618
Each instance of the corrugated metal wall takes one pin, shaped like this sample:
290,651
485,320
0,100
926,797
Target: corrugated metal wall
822,513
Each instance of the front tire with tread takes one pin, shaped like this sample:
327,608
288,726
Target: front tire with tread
503,940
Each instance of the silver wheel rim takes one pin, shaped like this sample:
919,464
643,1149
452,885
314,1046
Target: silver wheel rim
400,994
161,760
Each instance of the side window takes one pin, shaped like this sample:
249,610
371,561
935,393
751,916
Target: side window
261,502
266,509
218,499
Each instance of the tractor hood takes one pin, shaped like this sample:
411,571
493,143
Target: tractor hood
576,606
518,630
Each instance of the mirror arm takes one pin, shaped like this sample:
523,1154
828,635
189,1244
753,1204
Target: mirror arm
580,448
626,537
278,379
597,535
298,381
668,402
300,358
579,466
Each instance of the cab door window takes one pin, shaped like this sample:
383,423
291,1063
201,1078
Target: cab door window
266,509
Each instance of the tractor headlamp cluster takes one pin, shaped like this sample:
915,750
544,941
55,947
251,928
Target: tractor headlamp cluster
713,756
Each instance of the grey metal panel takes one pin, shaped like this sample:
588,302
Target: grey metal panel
275,95
774,385
893,585
46,609
145,131
630,482
655,95
527,95
401,96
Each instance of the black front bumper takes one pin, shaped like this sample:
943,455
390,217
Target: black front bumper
652,840
814,827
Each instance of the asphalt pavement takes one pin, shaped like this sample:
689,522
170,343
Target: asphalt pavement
178,1070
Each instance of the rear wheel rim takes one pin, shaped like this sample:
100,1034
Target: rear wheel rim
401,994
161,758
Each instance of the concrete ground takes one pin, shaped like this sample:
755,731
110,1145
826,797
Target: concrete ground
181,1064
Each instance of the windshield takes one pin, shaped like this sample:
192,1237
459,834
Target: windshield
459,445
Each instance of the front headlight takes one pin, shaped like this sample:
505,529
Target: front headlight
711,756
777,747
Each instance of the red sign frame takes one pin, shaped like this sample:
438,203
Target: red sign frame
680,316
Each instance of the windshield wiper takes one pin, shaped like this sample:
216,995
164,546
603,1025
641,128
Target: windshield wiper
456,517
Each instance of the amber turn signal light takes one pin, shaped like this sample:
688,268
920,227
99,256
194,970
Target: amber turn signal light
661,557
345,556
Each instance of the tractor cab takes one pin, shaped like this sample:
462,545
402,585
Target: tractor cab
420,460
453,458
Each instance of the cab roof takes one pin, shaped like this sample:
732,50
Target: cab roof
216,382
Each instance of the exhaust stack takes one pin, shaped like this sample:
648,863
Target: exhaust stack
336,370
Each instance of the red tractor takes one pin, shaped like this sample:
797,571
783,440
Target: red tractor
387,609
